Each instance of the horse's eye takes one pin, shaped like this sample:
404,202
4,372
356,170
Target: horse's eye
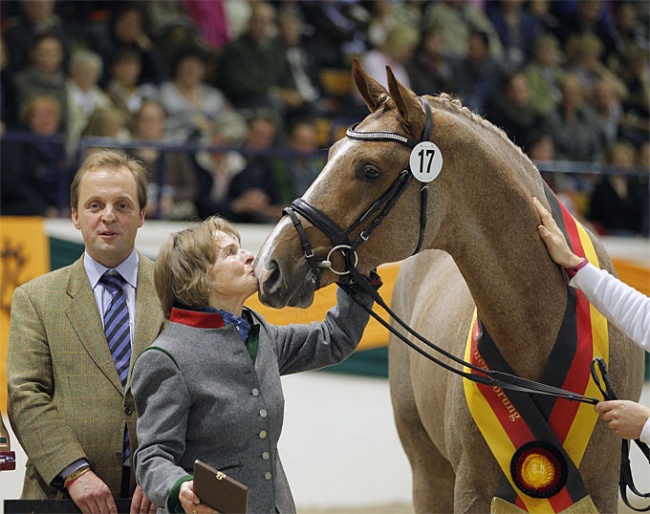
371,173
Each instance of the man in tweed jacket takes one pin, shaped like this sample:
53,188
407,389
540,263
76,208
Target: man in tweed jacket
67,405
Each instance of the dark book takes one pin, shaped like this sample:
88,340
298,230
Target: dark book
218,490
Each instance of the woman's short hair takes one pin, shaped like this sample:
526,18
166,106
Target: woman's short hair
111,160
183,272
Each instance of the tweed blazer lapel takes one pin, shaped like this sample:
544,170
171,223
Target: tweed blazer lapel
149,319
85,321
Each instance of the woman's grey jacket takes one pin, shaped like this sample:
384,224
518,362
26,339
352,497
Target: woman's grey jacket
200,396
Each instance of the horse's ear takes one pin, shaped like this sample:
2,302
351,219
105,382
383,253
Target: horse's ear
372,92
409,107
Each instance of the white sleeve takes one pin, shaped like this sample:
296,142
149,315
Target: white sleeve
621,304
645,433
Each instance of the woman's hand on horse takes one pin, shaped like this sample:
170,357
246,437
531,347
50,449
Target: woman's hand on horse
624,417
554,239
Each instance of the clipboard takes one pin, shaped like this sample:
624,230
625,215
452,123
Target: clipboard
218,490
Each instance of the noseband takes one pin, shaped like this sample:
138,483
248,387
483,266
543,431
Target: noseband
379,209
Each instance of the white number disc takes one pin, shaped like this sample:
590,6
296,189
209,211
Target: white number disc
425,161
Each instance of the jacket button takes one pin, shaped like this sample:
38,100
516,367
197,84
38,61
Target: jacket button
263,413
268,475
255,392
266,455
128,411
118,454
262,434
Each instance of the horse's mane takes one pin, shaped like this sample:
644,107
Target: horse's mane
453,105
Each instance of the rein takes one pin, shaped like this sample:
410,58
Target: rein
352,280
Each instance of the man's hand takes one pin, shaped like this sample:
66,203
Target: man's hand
624,417
92,495
141,504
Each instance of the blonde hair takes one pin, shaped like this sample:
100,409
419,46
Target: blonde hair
114,161
183,273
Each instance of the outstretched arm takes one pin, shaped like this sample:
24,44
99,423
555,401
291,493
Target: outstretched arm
621,304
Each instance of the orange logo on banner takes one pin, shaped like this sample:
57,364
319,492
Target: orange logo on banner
25,254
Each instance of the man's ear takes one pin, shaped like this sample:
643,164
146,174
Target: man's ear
75,218
143,213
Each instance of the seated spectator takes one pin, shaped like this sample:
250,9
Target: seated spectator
253,193
430,71
633,70
458,19
517,29
44,75
294,174
339,31
396,51
84,95
104,122
617,202
37,17
34,179
172,183
254,68
608,106
217,165
541,149
589,17
583,59
574,125
302,64
8,115
544,73
192,105
511,109
129,30
124,88
476,75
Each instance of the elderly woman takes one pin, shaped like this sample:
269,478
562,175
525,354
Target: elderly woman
209,387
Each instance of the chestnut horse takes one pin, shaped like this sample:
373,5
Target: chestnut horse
474,232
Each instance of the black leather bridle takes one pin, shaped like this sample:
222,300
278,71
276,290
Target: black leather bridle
351,280
379,209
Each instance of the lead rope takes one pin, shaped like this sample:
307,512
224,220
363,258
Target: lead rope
625,480
354,280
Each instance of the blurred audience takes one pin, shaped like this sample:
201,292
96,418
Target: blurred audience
512,110
544,73
580,65
44,74
217,165
576,132
254,194
34,179
430,70
617,203
457,20
254,68
83,93
295,172
36,18
171,178
192,105
477,74
124,88
129,30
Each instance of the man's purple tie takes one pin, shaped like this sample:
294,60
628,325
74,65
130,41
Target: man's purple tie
118,333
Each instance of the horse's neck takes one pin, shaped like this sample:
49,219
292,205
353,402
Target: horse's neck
519,293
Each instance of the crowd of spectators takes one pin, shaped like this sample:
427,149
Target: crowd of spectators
228,102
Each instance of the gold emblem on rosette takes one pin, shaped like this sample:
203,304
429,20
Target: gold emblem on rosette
538,469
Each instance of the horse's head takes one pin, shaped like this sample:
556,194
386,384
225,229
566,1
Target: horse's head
368,205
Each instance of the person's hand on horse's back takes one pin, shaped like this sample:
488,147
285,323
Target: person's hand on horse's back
554,239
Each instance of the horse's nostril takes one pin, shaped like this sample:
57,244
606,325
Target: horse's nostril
274,277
